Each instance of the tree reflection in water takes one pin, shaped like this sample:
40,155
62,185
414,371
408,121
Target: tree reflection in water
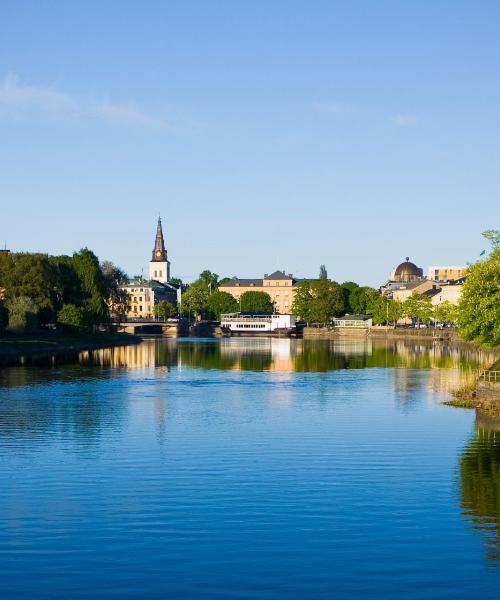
480,484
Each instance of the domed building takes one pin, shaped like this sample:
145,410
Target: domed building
406,276
407,272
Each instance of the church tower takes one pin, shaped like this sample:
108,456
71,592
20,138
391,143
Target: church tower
159,266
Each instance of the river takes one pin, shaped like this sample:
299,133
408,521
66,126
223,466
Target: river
248,468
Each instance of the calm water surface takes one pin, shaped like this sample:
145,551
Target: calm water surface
243,468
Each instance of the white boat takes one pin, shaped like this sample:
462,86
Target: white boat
242,323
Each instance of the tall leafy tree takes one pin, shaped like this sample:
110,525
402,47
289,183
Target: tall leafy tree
117,298
92,283
164,309
323,274
446,312
221,302
67,288
418,307
479,304
348,288
327,302
302,301
386,310
209,279
30,276
195,299
362,300
256,302
22,314
318,301
71,317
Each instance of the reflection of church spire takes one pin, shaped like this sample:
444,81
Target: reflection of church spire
159,252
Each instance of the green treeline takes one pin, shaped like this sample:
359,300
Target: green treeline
78,292
73,291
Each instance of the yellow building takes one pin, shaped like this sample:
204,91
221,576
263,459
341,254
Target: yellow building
445,273
280,287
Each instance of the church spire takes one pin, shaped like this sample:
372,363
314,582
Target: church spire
159,252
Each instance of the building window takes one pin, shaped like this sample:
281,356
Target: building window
140,308
161,274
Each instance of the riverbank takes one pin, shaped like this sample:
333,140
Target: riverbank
381,332
482,394
18,349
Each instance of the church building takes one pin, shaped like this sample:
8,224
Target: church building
159,265
144,294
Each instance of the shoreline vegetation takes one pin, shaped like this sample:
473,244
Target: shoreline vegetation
15,348
480,395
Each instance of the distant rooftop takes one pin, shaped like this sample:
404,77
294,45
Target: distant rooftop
237,282
278,275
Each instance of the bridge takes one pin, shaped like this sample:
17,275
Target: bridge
169,328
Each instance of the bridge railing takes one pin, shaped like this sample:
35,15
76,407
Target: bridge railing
489,376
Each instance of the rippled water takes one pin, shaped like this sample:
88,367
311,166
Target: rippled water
248,469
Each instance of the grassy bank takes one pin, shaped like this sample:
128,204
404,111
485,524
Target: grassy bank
13,347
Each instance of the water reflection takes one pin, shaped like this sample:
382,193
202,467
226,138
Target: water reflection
480,484
285,355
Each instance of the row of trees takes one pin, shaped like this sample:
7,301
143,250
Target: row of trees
74,291
320,301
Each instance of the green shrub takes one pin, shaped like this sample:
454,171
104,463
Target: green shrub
71,317
22,313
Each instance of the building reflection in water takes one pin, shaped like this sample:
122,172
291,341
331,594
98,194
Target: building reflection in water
451,365
146,356
480,484
448,366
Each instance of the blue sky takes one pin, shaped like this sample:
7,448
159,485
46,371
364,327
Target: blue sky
266,133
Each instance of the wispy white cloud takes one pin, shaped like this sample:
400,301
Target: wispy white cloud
332,108
26,102
404,120
127,114
17,100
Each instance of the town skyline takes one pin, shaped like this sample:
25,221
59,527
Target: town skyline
144,270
